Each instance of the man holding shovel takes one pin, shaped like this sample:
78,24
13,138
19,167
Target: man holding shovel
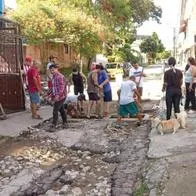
138,72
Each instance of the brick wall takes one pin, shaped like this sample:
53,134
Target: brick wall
41,52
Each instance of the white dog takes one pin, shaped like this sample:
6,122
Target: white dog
181,117
165,126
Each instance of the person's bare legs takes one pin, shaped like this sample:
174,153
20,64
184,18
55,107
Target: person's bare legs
140,90
34,112
139,105
81,106
98,108
139,116
106,109
90,105
119,119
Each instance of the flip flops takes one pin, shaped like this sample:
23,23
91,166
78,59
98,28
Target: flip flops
37,117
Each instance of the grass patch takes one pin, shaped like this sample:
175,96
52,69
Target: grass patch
142,190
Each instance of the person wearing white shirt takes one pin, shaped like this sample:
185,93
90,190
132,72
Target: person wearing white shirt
138,72
72,104
127,105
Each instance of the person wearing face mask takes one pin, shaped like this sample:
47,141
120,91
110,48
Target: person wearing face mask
172,83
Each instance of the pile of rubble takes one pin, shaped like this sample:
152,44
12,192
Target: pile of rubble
103,161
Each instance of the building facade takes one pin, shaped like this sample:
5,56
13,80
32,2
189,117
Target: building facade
186,41
64,53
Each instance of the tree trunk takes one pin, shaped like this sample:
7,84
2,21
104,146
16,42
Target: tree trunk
44,55
89,63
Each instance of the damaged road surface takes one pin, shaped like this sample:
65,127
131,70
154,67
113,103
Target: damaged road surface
90,158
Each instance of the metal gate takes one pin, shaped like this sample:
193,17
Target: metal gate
11,85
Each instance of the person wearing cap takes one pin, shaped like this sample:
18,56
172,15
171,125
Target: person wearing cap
127,105
78,79
26,66
172,83
34,88
58,95
48,73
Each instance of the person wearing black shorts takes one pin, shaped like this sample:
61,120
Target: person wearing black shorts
93,90
78,79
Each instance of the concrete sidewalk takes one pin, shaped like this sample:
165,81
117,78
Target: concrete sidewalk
178,153
19,121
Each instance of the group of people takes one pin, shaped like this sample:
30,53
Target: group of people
98,87
100,92
173,81
57,91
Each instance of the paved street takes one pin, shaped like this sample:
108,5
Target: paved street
142,155
94,157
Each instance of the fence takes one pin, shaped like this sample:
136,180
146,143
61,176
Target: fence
11,60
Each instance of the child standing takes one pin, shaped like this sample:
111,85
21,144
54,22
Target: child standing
126,100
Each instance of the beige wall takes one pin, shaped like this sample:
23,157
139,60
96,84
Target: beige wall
41,53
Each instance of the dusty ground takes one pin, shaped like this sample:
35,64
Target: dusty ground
91,157
101,162
96,158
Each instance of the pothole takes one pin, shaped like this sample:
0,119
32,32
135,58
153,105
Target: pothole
104,161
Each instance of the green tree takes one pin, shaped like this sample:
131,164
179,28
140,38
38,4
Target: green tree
152,46
42,21
164,55
84,24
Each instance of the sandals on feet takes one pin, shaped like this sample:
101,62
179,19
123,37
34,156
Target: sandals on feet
37,117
